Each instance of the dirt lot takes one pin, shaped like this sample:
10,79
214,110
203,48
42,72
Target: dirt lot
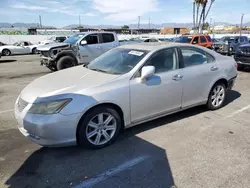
194,148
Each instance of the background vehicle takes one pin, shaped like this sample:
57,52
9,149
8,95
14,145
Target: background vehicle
229,44
22,47
242,56
157,40
199,39
77,49
53,40
2,44
89,105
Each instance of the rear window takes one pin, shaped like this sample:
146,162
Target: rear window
209,39
108,37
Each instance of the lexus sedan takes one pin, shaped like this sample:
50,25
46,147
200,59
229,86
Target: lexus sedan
126,86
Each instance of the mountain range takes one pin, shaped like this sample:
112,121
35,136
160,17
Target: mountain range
132,26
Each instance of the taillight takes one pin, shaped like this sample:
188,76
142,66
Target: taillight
236,65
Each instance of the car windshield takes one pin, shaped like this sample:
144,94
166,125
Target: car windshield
16,44
117,61
73,39
183,39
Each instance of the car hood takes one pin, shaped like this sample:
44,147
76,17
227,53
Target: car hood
219,43
65,81
245,45
47,47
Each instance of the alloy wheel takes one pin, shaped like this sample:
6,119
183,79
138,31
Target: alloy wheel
101,128
218,95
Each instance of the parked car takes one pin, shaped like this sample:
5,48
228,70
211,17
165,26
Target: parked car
156,40
90,105
242,56
198,39
22,47
53,40
215,40
77,49
229,44
2,44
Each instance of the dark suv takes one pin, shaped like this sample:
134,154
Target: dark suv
242,56
229,44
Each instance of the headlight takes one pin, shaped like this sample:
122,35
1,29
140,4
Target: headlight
53,53
52,107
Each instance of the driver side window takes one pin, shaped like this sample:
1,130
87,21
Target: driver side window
163,61
91,39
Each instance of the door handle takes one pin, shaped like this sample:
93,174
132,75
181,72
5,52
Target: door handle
177,77
214,68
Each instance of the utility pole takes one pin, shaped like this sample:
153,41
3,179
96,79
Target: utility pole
139,22
79,20
210,24
149,23
40,21
241,23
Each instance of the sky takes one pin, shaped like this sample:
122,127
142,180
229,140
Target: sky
61,13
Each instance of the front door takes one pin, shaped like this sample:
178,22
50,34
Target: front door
91,50
161,92
199,73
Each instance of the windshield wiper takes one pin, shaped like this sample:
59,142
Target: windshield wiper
99,70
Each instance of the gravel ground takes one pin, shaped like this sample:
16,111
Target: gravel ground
194,148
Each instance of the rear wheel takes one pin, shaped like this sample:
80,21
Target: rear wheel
99,127
6,52
217,96
65,62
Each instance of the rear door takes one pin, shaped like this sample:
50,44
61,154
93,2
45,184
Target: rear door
108,41
203,41
199,70
91,50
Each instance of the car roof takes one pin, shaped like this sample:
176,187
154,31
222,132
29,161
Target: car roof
153,46
196,35
94,32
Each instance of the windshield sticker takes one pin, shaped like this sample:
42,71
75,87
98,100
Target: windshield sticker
137,53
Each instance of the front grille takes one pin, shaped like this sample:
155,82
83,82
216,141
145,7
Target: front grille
21,104
245,51
45,53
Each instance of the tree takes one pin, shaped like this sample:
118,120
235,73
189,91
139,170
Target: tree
125,27
205,26
203,15
79,27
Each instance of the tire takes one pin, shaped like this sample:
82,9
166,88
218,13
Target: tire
97,132
6,52
240,67
65,62
215,95
34,51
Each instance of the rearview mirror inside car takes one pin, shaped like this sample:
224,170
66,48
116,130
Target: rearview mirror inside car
83,42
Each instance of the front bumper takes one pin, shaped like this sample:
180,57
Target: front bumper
242,59
48,130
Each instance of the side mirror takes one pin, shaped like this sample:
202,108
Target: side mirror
83,42
146,72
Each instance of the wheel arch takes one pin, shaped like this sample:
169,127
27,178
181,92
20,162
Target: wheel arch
107,104
7,49
221,80
66,53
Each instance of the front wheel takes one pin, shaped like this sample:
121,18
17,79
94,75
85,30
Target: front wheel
65,62
240,67
216,97
34,51
99,128
6,52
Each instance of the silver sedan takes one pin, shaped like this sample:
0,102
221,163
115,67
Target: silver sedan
124,87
